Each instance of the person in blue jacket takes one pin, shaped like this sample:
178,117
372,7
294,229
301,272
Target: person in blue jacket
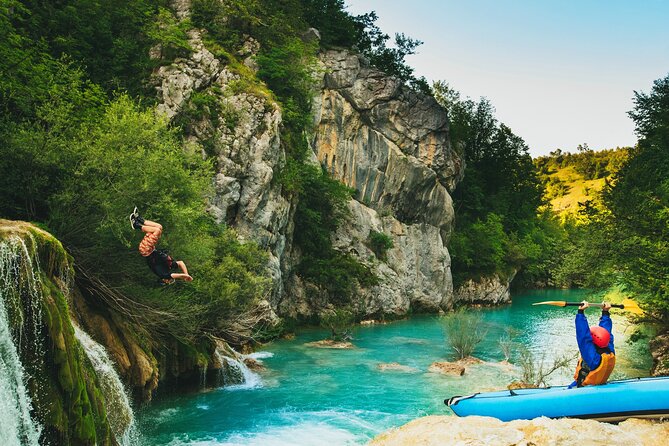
595,344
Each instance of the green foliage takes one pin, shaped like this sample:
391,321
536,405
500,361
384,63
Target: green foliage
638,201
339,322
107,39
321,209
464,332
380,243
170,34
622,235
498,227
588,163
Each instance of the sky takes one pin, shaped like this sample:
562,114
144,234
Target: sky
558,72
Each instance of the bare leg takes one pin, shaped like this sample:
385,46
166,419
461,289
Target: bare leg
151,237
152,224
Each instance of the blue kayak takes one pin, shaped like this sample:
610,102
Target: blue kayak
614,401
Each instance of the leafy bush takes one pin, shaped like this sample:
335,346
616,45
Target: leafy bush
321,208
108,40
463,332
497,222
535,370
340,322
170,34
380,243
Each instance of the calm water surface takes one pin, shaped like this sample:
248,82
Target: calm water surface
311,397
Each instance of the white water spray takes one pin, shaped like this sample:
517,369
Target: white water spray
119,411
234,374
17,283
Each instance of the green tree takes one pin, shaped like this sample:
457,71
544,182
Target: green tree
638,200
498,228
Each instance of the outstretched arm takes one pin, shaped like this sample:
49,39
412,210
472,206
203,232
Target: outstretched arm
182,267
181,276
606,322
584,340
184,272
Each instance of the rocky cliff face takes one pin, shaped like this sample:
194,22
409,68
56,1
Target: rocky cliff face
440,430
391,145
230,116
493,290
372,133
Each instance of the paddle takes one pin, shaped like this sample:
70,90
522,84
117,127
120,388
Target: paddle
627,305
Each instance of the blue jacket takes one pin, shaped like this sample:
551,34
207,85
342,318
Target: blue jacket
586,346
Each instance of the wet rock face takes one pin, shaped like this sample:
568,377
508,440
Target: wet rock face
135,364
474,430
48,386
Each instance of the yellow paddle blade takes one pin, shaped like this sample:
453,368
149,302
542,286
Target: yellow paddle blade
557,303
631,306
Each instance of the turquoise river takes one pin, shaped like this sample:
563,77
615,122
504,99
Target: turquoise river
311,396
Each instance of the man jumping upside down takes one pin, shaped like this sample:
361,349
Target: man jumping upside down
159,261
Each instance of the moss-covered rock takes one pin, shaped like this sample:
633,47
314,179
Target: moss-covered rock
66,398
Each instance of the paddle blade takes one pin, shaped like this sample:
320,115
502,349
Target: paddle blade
632,307
557,303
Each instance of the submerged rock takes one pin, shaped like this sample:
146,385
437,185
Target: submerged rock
447,368
448,430
329,343
396,367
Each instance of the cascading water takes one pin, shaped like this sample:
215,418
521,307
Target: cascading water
235,374
119,411
17,283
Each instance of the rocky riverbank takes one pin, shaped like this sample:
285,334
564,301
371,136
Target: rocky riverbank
443,430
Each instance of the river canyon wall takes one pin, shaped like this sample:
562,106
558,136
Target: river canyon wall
391,145
370,132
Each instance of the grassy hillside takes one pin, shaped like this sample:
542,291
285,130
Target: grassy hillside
573,179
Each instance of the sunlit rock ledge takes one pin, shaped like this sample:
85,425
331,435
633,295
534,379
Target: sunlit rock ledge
470,431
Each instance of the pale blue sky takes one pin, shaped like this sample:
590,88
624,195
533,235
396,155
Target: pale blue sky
559,73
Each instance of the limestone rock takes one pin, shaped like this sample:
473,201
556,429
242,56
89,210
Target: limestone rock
659,349
242,135
396,367
390,144
254,364
447,368
329,343
492,290
475,431
177,81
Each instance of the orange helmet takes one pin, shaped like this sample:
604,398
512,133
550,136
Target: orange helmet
600,336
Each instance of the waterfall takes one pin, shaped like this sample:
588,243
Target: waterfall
119,412
234,374
17,283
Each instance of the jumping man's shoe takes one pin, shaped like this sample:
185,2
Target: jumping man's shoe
136,221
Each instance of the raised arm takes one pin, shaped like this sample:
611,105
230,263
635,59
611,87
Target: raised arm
584,340
606,322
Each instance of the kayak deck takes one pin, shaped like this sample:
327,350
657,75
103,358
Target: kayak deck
614,401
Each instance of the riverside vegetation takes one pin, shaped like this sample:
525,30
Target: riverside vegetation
82,145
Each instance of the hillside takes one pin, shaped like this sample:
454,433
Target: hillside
572,179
